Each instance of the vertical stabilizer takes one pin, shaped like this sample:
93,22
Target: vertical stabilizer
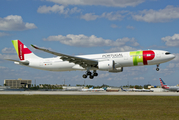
163,85
22,51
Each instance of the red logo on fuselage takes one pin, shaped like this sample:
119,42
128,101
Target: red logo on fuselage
148,55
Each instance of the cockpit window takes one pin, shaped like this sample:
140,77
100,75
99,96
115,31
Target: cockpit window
167,53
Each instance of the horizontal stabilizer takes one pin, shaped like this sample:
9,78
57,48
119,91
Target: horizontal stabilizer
20,62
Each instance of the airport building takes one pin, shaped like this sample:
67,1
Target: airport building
18,83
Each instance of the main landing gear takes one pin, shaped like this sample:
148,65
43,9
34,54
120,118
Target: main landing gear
91,76
157,69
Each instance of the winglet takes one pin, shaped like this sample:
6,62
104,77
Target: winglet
34,46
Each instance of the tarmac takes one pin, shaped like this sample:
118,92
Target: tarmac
87,93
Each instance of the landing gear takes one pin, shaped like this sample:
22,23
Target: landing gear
91,76
95,73
157,69
84,76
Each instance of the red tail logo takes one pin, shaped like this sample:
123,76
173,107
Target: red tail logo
22,49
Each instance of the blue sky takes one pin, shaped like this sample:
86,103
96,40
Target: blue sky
127,25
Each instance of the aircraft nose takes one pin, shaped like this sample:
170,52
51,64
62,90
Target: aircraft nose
173,56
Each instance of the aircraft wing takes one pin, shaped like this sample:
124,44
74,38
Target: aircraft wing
83,62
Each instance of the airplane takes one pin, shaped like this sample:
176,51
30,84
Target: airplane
137,90
132,90
92,89
126,90
146,90
170,88
111,62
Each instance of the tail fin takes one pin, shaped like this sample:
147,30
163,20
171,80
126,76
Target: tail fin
22,51
163,85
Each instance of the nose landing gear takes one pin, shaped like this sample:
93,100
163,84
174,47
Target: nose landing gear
157,69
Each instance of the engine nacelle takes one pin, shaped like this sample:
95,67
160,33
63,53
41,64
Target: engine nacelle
106,65
120,69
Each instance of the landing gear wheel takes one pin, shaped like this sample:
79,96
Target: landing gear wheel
157,69
84,76
88,73
95,74
91,77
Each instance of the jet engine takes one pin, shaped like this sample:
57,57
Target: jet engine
110,66
106,65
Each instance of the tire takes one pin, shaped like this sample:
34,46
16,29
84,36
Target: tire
91,77
84,76
88,73
95,74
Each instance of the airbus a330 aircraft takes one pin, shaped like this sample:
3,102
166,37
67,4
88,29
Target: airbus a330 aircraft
170,88
111,62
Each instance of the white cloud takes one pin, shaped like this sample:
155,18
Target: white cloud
130,27
135,71
8,56
110,16
114,26
121,49
3,34
155,79
139,78
89,16
57,9
175,62
113,16
167,71
172,41
15,23
171,65
1,67
176,59
92,41
162,15
104,75
8,50
115,3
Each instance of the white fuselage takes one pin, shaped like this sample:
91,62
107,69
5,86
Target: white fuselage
121,59
172,88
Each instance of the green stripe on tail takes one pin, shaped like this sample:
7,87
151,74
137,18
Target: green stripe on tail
15,43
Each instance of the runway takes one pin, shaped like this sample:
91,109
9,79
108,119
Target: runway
87,93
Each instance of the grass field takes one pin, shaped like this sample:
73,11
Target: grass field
17,107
